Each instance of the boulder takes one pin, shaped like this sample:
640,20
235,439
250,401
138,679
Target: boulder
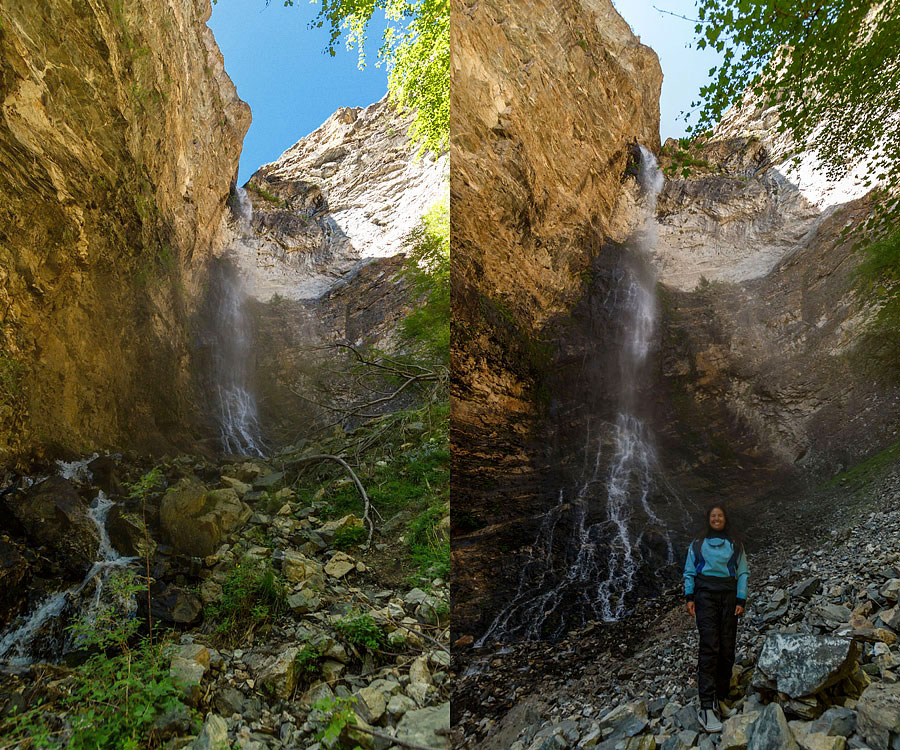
340,565
891,590
370,705
213,736
426,727
891,617
878,715
299,568
734,731
56,516
278,675
237,485
806,588
188,665
105,474
127,533
626,720
770,731
830,615
836,721
776,606
195,520
172,604
800,665
304,602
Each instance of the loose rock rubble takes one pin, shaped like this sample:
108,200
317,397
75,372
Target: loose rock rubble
256,695
817,663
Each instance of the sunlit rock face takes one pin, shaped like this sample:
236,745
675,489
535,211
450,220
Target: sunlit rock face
347,193
119,137
546,102
319,242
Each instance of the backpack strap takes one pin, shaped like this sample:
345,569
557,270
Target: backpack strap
699,562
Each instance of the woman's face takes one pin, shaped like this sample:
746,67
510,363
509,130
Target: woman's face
717,519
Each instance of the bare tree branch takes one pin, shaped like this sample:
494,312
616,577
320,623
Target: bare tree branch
359,485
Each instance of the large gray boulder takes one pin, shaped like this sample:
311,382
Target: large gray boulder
878,715
799,664
427,727
196,520
56,516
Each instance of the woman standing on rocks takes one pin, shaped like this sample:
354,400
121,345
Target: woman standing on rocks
715,586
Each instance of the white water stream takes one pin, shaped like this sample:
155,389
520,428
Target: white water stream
238,417
16,642
580,567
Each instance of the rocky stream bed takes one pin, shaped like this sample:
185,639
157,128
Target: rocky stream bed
253,686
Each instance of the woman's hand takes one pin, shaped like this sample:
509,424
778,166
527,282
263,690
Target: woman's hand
690,609
738,610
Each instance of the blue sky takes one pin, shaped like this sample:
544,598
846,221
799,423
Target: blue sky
684,70
276,62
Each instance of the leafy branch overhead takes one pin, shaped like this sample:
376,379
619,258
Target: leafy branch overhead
831,68
416,50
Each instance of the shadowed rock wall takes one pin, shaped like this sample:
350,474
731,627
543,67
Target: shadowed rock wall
546,100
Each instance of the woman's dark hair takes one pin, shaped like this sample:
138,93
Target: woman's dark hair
729,530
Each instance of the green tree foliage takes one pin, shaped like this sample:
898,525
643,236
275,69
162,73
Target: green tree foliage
427,267
416,50
830,66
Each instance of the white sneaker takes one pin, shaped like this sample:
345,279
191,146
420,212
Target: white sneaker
709,721
722,709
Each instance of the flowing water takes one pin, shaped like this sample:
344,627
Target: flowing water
591,545
16,643
232,341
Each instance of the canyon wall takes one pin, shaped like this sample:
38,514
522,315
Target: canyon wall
546,103
322,255
119,138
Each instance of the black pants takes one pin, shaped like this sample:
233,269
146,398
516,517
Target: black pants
717,624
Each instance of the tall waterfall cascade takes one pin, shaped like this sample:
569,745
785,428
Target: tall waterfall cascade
238,419
590,547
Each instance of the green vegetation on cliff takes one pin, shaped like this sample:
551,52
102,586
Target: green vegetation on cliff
416,50
837,89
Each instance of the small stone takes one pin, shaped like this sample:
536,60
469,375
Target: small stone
370,705
213,735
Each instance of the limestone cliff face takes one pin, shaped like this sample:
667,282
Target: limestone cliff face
320,246
546,100
348,192
119,137
768,343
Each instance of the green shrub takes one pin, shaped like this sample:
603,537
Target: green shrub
361,630
430,550
110,702
427,268
253,595
349,536
307,660
339,713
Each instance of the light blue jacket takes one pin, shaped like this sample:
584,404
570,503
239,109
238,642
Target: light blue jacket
716,553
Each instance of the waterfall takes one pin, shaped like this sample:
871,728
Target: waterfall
16,642
231,346
589,547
